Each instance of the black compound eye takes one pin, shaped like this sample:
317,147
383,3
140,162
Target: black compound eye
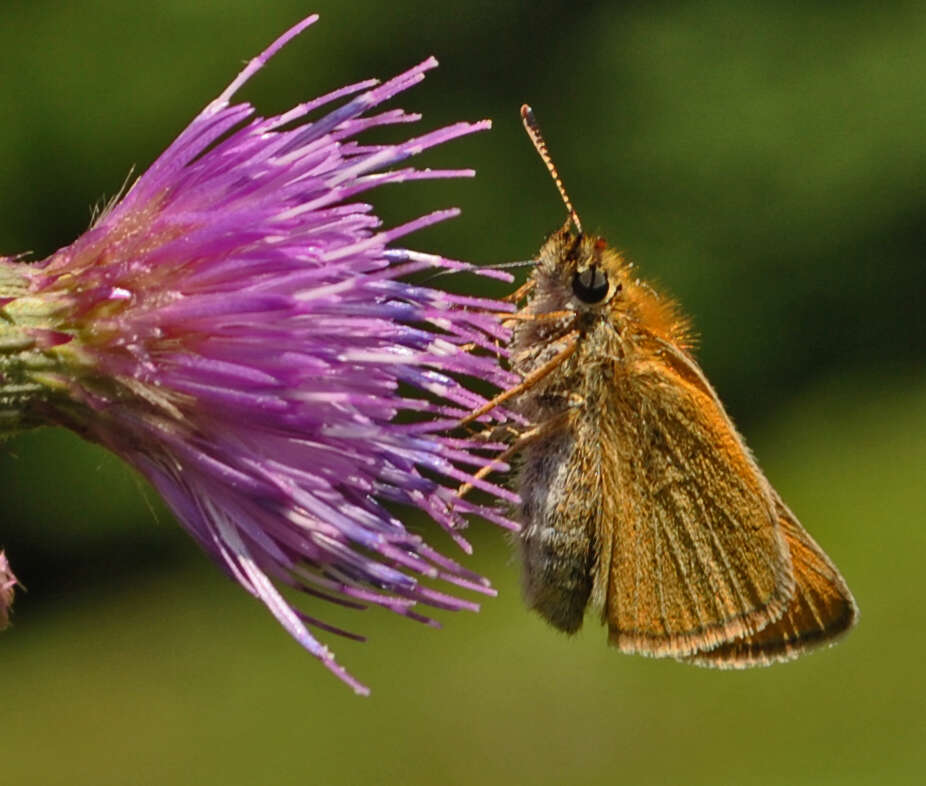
591,285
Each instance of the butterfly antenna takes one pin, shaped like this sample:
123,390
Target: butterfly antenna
533,131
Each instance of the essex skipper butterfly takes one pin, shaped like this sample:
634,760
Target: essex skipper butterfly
639,497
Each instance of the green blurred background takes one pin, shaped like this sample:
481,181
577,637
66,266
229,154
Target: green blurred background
765,162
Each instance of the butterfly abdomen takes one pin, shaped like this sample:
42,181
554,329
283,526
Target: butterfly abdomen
559,514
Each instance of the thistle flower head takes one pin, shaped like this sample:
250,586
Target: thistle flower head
7,589
240,329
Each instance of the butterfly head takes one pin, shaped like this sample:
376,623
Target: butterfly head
587,271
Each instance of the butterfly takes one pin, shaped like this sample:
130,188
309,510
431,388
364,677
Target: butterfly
639,497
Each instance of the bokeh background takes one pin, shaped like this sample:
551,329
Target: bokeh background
764,161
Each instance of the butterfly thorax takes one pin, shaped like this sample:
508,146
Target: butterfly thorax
585,292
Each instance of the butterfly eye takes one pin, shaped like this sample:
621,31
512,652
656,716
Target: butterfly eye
591,285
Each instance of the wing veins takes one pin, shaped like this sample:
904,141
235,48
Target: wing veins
693,596
703,560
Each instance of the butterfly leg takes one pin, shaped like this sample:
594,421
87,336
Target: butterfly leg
529,381
520,292
501,459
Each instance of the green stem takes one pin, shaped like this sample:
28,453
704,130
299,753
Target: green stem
29,367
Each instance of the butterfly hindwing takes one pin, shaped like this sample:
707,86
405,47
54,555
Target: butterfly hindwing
821,610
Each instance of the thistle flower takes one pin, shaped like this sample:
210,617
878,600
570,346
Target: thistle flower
238,327
7,587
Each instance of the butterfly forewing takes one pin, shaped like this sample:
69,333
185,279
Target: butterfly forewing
690,536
